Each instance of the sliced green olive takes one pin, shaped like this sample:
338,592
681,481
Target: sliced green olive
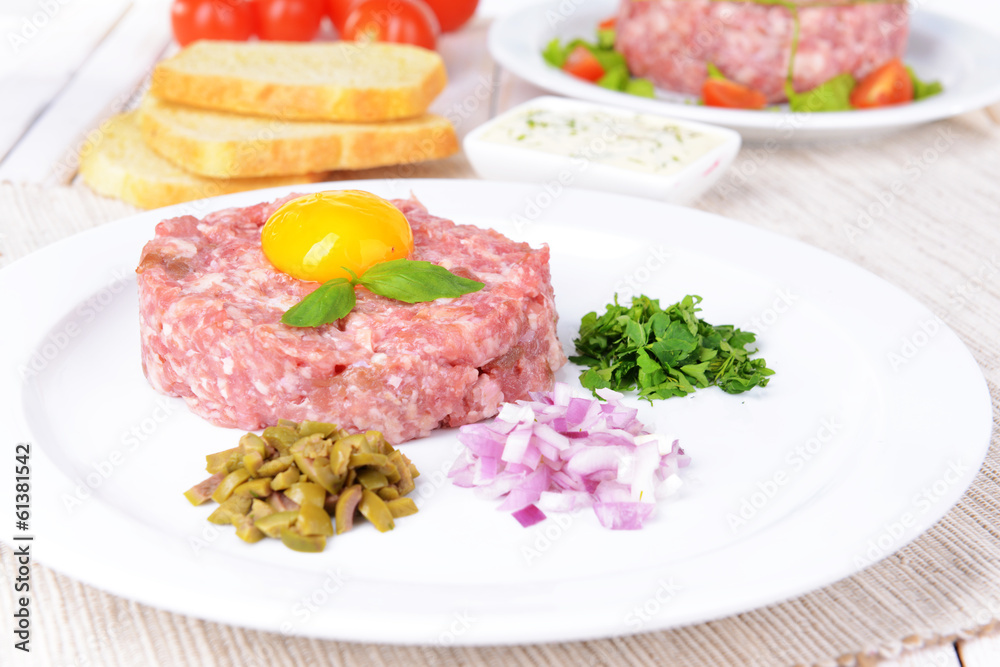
330,503
224,462
318,471
272,524
229,484
282,503
273,466
303,482
346,504
202,491
284,480
377,443
340,456
307,493
398,462
379,461
298,542
313,520
354,442
230,510
311,446
260,509
401,507
280,438
323,428
372,479
251,442
374,509
405,483
247,531
252,461
255,488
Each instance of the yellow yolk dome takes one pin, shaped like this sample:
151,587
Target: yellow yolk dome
319,236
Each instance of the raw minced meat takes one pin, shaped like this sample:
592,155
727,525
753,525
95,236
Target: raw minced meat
210,311
671,41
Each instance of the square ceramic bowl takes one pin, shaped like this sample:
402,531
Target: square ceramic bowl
594,146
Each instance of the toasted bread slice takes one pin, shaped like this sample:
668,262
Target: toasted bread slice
341,81
120,165
218,144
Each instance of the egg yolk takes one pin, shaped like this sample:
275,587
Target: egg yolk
319,236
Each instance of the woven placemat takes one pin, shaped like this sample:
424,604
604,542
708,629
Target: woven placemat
919,208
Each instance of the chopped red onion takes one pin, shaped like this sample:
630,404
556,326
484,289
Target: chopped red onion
560,452
529,516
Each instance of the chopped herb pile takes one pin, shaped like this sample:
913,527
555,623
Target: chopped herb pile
665,352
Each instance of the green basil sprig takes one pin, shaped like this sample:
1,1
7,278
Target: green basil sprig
410,281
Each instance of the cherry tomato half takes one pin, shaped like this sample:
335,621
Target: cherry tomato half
338,10
400,21
289,20
889,84
452,14
211,19
582,64
725,93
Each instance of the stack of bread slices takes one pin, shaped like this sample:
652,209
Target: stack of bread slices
224,117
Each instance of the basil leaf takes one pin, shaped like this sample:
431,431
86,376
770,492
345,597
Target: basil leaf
614,79
640,87
606,38
609,58
327,304
414,281
555,54
714,73
923,89
834,95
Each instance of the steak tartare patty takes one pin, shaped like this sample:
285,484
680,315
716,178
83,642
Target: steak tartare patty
210,310
671,41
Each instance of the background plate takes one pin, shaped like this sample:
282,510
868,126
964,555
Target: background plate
844,458
964,58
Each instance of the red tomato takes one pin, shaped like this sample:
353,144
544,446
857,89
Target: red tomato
400,21
581,63
725,93
289,20
889,84
338,10
608,24
211,19
452,14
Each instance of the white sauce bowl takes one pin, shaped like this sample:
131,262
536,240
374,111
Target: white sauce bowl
595,146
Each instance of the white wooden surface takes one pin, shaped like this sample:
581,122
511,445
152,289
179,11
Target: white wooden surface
941,656
983,652
66,65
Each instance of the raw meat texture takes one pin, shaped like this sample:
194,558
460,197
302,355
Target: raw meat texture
671,41
210,310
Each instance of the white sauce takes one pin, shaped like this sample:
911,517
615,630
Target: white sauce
637,142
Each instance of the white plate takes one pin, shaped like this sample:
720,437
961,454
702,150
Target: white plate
877,431
965,59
